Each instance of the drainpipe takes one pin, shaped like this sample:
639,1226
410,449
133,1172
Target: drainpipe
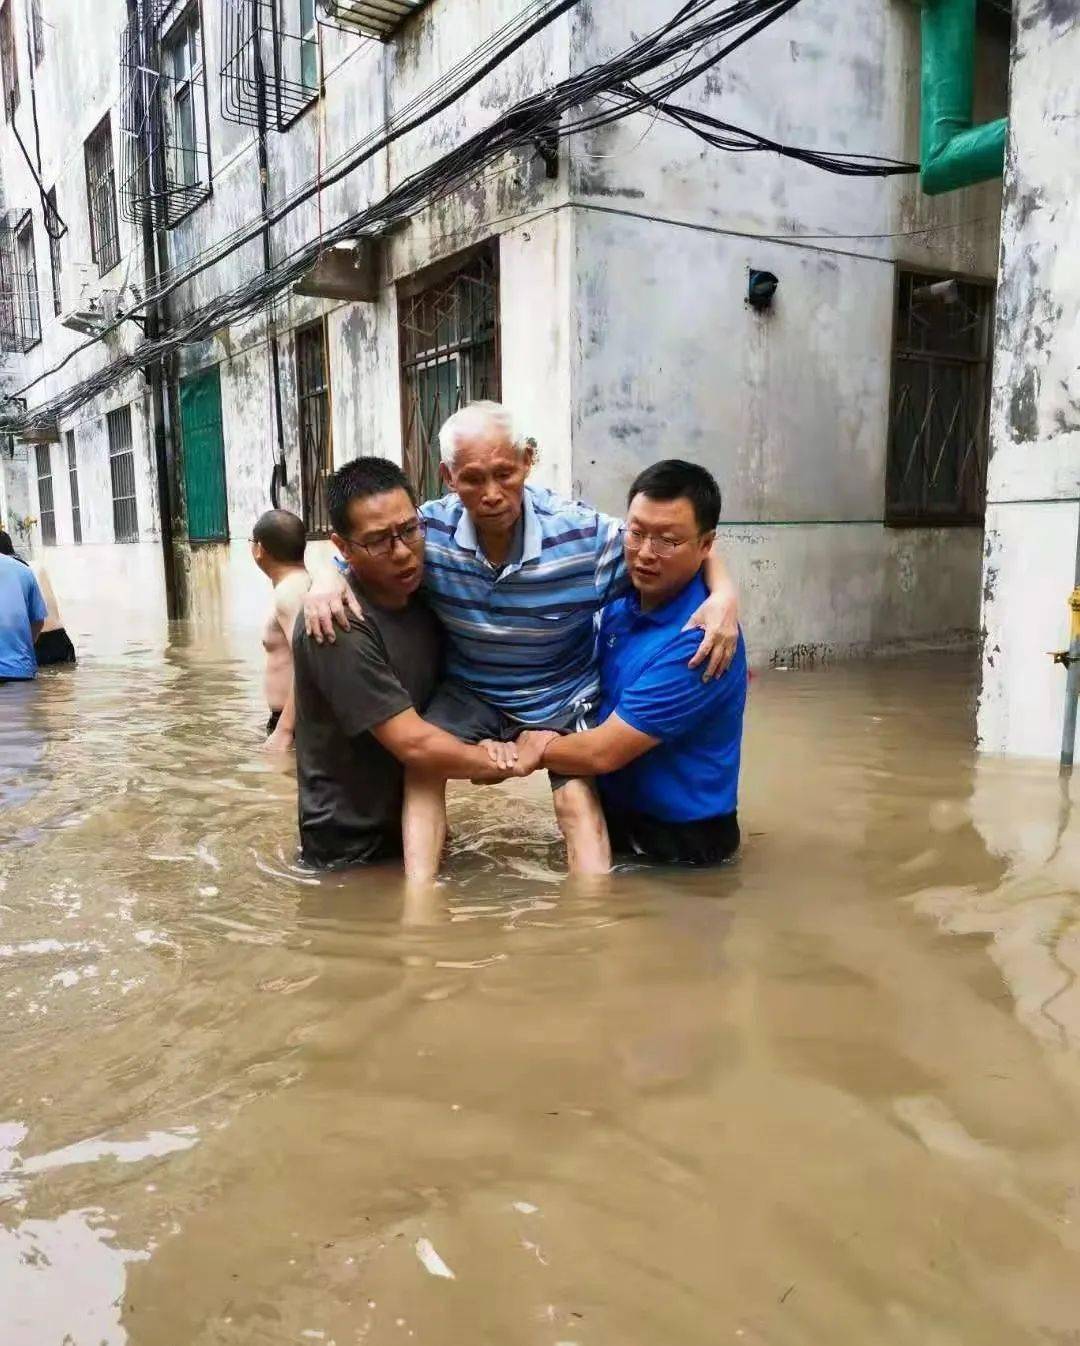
1072,663
955,153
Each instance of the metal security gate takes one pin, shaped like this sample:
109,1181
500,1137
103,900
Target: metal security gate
449,357
316,449
938,427
204,457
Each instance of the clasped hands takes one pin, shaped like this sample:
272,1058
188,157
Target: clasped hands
521,757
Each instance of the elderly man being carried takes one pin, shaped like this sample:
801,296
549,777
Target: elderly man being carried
516,576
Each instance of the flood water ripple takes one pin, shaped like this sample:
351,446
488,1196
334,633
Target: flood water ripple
828,1094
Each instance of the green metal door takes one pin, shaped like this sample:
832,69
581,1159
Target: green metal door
204,457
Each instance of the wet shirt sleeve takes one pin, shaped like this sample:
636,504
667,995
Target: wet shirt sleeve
355,678
667,700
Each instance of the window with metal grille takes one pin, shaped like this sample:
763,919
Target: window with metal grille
939,414
26,287
186,138
10,328
101,197
316,446
54,251
73,487
9,63
309,46
46,507
39,32
449,342
122,471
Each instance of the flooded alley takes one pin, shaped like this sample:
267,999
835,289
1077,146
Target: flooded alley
831,1093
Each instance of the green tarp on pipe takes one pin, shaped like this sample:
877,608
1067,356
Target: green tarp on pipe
954,152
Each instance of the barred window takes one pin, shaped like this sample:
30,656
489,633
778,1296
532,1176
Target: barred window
122,471
316,451
449,344
9,61
101,197
186,140
46,507
939,415
73,487
26,286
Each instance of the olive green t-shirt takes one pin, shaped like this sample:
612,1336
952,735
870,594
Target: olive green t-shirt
350,787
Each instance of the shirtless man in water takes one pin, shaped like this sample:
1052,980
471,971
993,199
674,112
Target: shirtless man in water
277,547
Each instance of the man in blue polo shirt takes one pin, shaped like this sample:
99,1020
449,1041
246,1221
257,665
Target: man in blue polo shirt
668,746
516,576
22,615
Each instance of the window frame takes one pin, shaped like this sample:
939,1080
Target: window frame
898,513
189,23
73,487
26,286
313,492
38,32
118,450
9,59
100,143
46,513
475,364
309,42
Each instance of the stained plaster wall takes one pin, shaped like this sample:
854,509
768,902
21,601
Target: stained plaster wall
789,409
1034,487
622,336
102,587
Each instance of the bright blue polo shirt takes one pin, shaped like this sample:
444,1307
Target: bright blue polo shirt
523,637
693,773
20,604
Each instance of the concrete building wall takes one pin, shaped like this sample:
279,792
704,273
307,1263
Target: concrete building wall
790,408
1034,488
623,329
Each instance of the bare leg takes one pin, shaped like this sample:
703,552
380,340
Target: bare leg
581,821
423,825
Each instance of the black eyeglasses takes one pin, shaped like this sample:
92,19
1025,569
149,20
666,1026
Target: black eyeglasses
664,547
411,534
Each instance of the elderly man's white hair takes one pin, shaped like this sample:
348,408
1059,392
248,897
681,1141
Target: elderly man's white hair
478,418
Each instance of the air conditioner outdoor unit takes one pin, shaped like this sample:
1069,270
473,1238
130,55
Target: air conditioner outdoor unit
86,306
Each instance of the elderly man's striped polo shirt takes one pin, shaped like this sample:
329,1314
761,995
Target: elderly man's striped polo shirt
523,637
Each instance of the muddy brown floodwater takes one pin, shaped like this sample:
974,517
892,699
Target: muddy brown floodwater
828,1095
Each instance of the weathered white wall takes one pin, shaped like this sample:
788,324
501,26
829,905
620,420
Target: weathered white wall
790,408
624,333
1034,486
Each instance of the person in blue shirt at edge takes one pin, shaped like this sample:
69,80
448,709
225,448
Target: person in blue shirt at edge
516,576
22,615
666,753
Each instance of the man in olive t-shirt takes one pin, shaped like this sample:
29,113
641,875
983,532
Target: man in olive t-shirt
358,700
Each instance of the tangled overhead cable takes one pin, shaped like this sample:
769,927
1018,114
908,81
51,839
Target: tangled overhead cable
621,82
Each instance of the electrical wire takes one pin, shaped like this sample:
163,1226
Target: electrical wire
617,80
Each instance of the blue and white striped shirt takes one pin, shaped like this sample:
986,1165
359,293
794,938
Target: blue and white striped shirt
523,637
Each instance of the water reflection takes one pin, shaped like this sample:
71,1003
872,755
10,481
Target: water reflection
828,1094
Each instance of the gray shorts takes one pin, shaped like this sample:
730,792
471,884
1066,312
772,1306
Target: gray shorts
459,711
